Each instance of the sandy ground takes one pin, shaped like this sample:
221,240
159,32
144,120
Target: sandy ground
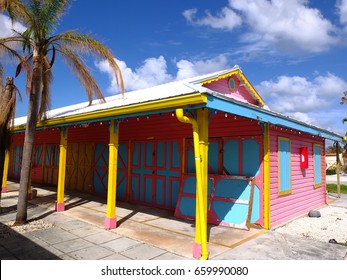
331,225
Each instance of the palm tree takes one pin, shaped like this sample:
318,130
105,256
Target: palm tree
40,46
8,93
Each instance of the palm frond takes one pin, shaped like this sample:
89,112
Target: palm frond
15,55
8,103
88,45
16,9
51,11
74,61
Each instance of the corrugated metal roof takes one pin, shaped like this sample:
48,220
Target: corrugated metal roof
163,91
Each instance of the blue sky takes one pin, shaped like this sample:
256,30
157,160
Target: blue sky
294,52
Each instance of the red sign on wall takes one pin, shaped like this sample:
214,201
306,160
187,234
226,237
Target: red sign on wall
303,157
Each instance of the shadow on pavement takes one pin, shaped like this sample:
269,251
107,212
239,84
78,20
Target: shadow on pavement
15,246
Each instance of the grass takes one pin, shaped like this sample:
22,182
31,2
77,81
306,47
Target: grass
332,188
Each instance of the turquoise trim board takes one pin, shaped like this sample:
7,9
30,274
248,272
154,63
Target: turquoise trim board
317,165
232,106
284,166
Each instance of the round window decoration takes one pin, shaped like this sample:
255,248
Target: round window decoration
231,84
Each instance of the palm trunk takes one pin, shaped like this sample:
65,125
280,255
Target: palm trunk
34,99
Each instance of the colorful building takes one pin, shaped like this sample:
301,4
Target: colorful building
206,148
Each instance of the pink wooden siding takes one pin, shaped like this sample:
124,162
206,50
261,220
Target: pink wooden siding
240,92
304,196
157,126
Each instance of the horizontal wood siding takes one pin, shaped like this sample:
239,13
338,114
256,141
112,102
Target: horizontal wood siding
157,126
304,196
17,139
224,125
240,92
91,133
45,136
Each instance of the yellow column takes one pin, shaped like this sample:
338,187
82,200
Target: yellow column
111,220
202,120
5,174
266,175
60,204
200,249
338,171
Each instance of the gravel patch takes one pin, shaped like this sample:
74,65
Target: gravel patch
332,224
8,229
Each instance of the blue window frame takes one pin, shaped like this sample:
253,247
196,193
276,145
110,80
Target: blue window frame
317,165
284,166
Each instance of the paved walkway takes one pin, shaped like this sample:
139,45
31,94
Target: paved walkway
142,233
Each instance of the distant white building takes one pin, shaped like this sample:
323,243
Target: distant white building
330,160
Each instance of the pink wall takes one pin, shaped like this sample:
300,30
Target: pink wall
239,93
304,196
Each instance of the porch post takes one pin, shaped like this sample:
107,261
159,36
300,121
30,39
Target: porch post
5,174
338,170
201,219
200,249
266,175
111,219
60,204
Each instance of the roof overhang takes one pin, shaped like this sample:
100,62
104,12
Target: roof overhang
193,100
232,106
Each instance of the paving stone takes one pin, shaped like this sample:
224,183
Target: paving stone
59,218
169,256
143,252
102,237
73,245
87,230
121,244
6,254
73,224
54,235
91,253
116,257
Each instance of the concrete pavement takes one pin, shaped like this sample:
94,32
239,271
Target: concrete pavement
142,234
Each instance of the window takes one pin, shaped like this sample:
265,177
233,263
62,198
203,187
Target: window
317,165
284,166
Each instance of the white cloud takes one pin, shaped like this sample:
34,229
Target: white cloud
342,10
6,27
153,71
6,30
187,69
303,99
226,19
289,26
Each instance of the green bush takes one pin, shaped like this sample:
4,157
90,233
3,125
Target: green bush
331,172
